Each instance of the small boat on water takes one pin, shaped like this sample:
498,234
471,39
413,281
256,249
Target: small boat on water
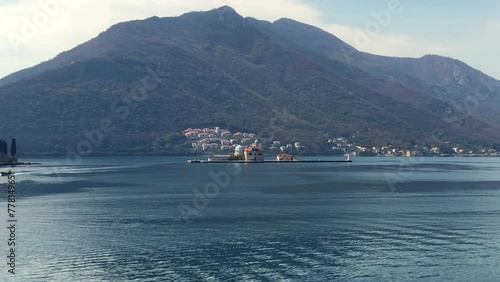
7,173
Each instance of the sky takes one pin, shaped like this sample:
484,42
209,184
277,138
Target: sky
33,31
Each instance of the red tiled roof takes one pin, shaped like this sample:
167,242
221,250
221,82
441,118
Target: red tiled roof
250,149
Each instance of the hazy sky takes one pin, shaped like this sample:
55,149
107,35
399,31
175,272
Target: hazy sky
36,31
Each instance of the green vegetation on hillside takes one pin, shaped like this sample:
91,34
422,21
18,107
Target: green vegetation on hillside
148,80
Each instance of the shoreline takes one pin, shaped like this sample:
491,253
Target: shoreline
18,164
266,161
57,155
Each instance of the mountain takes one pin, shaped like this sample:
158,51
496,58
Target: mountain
446,78
136,84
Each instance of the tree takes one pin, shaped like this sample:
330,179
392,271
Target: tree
4,147
13,148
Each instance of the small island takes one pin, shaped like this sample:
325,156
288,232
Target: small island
5,159
255,154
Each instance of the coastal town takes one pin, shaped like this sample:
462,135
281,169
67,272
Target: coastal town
219,140
343,145
222,140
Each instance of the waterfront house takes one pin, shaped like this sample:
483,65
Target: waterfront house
255,154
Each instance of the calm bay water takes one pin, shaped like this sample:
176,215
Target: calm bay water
118,219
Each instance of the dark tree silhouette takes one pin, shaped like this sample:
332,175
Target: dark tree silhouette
13,148
4,147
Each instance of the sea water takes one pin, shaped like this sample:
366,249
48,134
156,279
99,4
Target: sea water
162,219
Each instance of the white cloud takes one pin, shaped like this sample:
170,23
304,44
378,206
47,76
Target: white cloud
481,49
387,44
31,33
493,26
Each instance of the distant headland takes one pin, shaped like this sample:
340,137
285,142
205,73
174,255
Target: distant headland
5,159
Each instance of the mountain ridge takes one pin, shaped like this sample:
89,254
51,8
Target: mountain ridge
218,60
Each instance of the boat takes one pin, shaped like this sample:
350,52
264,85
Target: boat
7,173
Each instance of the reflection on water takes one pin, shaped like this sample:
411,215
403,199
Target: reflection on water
111,219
